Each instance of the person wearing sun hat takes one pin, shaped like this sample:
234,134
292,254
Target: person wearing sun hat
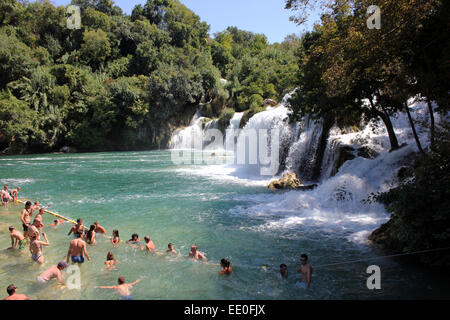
54,272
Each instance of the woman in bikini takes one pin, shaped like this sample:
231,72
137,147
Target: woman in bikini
110,260
36,249
115,238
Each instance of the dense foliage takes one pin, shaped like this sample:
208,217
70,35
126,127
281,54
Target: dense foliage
125,81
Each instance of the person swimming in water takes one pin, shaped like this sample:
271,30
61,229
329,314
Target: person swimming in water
226,268
99,229
115,240
36,248
17,239
110,260
284,271
90,235
122,288
13,295
77,248
171,249
195,254
135,240
54,272
56,223
149,245
35,206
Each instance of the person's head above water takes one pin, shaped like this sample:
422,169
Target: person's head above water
304,258
225,263
62,265
147,239
115,233
194,248
79,221
170,246
11,229
28,204
121,280
11,289
134,237
110,256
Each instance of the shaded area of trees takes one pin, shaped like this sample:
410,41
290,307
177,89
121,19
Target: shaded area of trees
124,81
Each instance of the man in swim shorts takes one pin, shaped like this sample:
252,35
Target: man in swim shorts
54,272
5,195
134,239
77,249
122,288
306,271
13,295
25,218
17,239
195,254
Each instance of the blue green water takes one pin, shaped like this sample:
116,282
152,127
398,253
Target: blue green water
144,193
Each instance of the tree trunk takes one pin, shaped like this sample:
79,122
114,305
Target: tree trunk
389,127
430,109
414,130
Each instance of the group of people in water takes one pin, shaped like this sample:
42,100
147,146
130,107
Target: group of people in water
33,235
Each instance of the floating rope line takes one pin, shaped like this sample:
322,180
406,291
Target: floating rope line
389,256
53,213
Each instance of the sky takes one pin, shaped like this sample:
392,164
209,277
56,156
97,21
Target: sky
259,16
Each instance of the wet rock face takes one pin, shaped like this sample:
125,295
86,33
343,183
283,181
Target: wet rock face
345,154
270,102
289,181
366,152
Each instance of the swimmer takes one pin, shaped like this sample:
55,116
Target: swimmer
17,239
36,248
90,235
110,260
122,288
35,206
306,271
5,195
171,249
54,272
78,228
284,271
115,240
25,218
39,217
14,194
195,254
13,295
149,246
77,248
226,268
56,223
134,239
99,228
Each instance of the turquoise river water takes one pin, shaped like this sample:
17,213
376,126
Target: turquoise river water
145,193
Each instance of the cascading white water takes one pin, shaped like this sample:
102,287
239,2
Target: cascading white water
189,137
235,122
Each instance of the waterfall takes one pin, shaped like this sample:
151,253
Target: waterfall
235,122
189,137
